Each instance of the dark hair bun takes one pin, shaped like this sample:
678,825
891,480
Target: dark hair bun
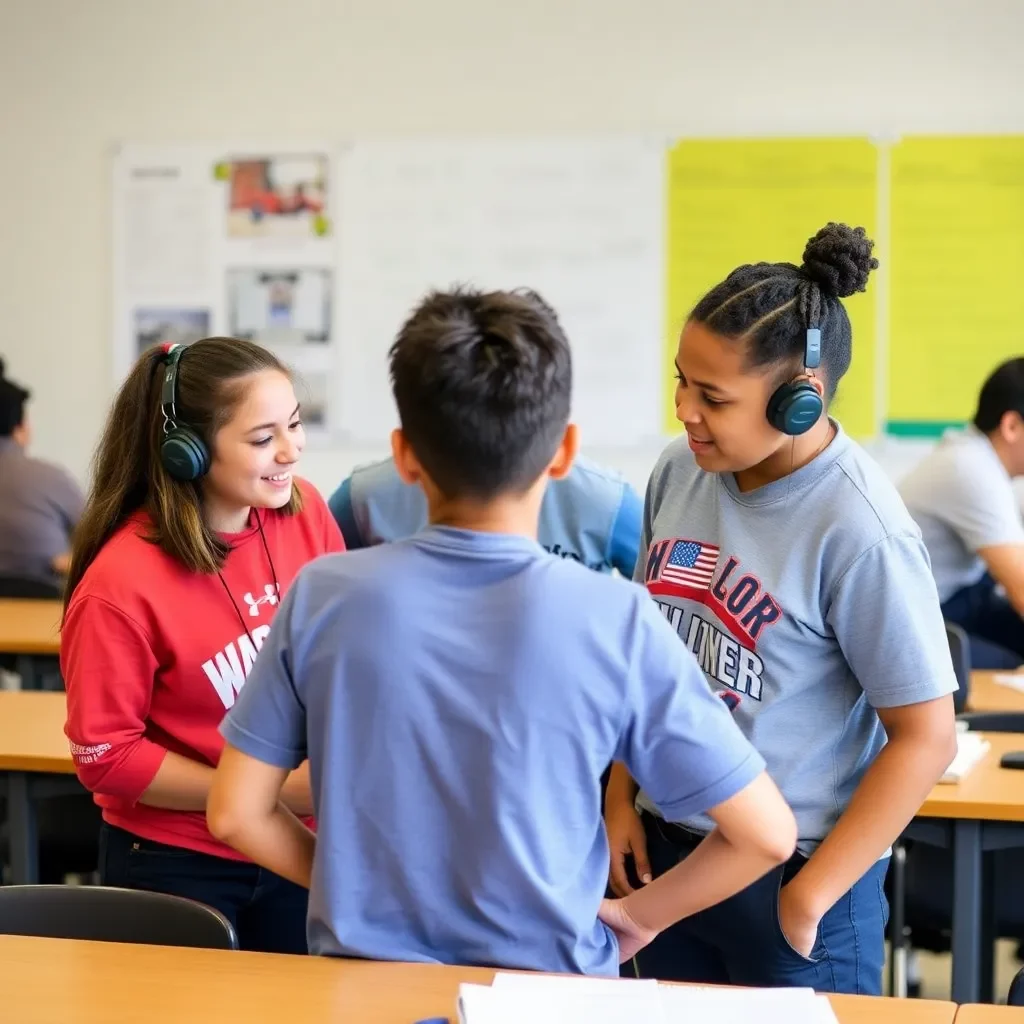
838,259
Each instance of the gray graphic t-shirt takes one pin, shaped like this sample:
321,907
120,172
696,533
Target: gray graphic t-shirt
808,603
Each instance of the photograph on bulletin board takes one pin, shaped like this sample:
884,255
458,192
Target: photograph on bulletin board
280,307
276,197
313,392
160,326
733,202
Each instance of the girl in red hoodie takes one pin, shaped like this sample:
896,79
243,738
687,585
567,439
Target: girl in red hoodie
194,528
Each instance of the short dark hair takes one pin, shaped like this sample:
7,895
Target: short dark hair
483,385
12,404
770,306
1003,392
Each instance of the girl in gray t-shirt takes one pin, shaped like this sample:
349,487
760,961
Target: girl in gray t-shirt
791,569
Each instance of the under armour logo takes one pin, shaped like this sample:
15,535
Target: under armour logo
269,597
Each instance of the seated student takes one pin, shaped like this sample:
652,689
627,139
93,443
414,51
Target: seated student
591,515
962,498
459,692
195,526
40,504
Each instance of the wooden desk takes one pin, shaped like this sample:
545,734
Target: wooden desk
29,627
56,981
981,1014
989,793
984,812
988,695
32,733
35,762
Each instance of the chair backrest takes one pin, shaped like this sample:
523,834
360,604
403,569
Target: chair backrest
960,652
106,914
37,590
1015,997
993,721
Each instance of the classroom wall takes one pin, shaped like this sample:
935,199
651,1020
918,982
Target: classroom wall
75,78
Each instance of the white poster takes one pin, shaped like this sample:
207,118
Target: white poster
581,222
230,240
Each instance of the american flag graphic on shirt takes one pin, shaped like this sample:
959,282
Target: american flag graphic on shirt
690,564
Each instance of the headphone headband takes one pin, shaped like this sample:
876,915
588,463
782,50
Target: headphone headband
812,348
168,390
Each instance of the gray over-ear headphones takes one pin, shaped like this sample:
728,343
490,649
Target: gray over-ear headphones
796,405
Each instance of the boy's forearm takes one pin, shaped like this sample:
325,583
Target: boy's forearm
180,784
713,872
297,791
621,787
278,842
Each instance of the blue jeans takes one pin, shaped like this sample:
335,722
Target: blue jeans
268,912
994,628
739,941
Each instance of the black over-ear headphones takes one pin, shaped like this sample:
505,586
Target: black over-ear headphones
796,405
183,452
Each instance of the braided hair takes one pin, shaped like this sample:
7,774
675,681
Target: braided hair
770,306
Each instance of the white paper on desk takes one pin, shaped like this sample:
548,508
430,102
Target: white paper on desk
571,984
549,1002
1015,681
741,1005
971,747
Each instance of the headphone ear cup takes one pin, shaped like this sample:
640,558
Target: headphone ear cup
795,407
184,454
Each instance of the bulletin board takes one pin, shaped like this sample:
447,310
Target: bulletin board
319,251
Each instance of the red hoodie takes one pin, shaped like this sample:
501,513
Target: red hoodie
153,656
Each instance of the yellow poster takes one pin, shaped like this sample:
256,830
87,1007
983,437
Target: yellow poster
732,202
957,274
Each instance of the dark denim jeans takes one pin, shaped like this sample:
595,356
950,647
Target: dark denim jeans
268,912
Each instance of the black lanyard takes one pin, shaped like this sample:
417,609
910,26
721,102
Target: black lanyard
273,573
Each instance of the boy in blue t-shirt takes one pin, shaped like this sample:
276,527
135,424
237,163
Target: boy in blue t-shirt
590,515
459,693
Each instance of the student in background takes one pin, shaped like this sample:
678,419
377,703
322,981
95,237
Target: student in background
785,560
459,692
591,515
39,502
194,529
962,497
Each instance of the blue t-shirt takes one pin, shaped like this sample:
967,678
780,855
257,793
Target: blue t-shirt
459,695
592,515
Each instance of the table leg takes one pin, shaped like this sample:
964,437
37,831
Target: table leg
24,837
897,923
25,666
989,932
967,911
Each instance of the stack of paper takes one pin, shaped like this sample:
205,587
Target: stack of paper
1014,680
971,747
543,999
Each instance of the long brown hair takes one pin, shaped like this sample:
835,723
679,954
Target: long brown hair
127,474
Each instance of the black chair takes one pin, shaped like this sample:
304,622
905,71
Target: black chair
105,914
32,590
1015,997
960,652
